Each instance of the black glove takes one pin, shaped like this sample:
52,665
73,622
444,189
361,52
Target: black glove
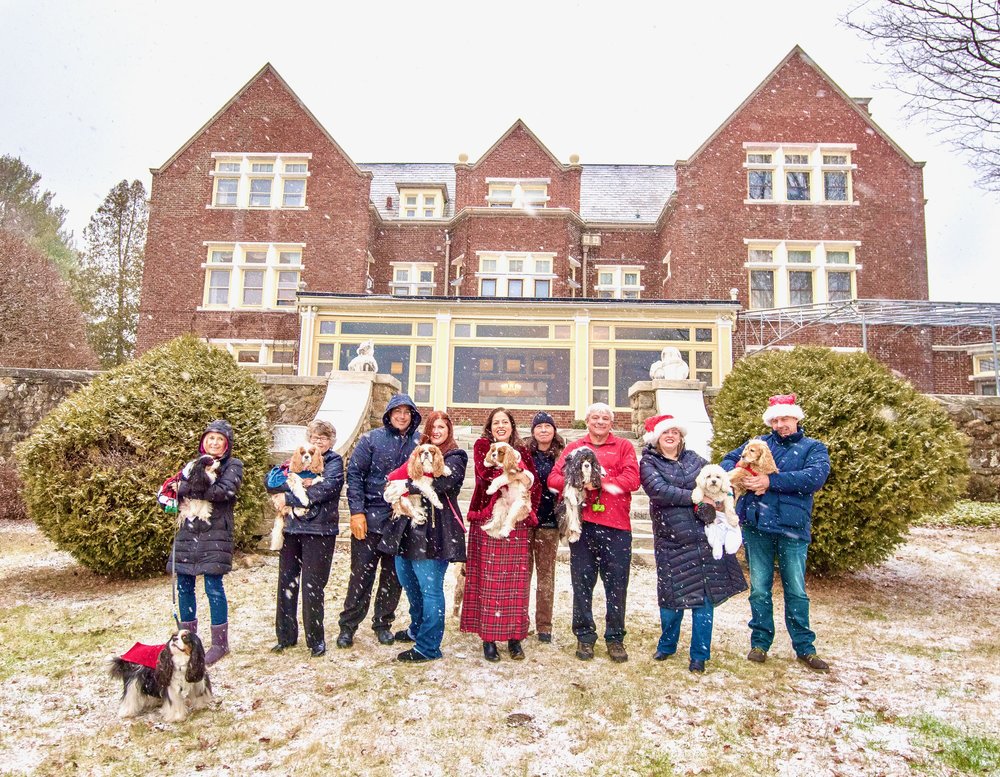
705,513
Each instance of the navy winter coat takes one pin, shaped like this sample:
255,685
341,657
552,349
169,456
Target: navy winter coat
378,453
208,550
547,505
324,501
442,537
686,573
786,507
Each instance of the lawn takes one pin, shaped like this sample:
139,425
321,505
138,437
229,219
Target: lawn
915,687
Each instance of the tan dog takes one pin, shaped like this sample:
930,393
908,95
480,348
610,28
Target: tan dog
459,588
756,460
514,504
425,463
306,462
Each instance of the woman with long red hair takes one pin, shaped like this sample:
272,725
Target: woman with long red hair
423,552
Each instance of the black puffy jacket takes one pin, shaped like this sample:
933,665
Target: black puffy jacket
208,550
686,573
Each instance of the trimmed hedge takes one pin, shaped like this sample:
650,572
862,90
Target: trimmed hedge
894,454
93,466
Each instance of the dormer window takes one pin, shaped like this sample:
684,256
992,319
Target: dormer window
422,203
521,193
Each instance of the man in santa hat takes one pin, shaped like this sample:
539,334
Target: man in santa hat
776,516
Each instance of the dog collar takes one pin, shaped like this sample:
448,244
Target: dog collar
748,469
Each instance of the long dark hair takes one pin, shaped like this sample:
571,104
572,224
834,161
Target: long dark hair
555,447
515,441
450,443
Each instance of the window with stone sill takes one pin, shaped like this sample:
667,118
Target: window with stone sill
515,274
778,278
517,193
619,282
412,279
787,173
421,203
252,181
252,276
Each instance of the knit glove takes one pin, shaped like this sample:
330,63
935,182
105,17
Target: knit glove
705,513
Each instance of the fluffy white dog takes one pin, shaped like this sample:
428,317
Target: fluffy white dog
712,485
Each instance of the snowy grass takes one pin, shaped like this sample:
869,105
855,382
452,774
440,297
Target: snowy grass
967,514
914,646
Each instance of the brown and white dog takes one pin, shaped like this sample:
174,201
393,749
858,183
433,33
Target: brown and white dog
514,484
425,463
306,463
756,459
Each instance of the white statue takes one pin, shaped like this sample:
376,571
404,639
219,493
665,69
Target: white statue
670,366
365,360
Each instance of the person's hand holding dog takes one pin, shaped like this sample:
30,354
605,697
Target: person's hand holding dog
758,484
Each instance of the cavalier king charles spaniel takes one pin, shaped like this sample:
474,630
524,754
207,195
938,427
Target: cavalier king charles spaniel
306,463
514,504
177,680
200,474
425,463
582,469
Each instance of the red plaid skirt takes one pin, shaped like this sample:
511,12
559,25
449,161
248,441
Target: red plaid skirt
497,585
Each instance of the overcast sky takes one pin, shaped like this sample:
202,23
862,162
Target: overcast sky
97,91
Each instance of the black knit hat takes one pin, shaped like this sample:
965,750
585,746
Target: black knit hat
541,417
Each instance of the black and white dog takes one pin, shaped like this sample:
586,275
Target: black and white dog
178,680
201,473
581,469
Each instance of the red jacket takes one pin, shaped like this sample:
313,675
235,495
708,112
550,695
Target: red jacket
617,456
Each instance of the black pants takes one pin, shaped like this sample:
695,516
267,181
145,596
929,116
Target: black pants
365,560
607,552
305,559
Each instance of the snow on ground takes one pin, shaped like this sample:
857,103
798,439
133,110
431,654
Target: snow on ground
915,637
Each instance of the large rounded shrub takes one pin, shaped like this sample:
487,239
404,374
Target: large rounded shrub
894,454
92,467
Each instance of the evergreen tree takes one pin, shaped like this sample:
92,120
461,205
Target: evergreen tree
111,271
29,212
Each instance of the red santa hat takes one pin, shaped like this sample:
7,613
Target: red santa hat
658,424
782,405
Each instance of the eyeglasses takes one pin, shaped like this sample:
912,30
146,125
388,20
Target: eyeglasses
316,440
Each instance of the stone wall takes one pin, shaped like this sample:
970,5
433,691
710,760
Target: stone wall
979,419
27,395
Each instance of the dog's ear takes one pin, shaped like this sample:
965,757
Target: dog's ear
196,663
164,671
438,461
414,469
316,465
510,458
295,465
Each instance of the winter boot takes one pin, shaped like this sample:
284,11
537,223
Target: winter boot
220,644
191,626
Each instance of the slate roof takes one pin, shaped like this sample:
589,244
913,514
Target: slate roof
633,194
388,174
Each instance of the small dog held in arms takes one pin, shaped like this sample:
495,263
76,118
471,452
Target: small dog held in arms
712,485
425,463
177,680
582,469
201,473
306,463
756,459
514,504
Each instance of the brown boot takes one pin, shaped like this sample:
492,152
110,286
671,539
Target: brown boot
616,652
584,651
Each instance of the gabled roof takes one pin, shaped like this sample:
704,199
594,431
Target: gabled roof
634,194
267,70
520,124
853,104
386,176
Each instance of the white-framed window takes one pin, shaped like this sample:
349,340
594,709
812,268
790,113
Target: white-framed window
421,203
515,274
799,172
257,276
783,273
260,181
264,355
619,281
526,193
412,279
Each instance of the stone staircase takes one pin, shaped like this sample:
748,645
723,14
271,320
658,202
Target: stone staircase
642,531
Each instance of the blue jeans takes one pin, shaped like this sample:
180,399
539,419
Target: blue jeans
701,631
215,592
423,581
762,549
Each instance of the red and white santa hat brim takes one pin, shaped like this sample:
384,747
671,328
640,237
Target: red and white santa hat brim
658,424
782,405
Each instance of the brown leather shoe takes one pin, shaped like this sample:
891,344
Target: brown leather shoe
616,652
814,662
757,655
584,651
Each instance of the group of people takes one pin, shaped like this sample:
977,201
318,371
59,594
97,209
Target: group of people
398,554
